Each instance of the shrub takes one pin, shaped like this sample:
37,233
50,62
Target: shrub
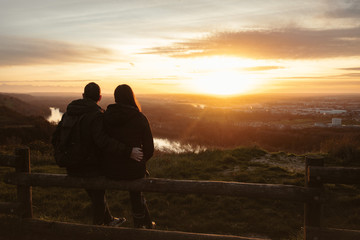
344,151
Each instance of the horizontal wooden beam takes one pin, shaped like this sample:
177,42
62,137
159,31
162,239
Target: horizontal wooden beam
9,207
331,234
8,160
89,232
339,175
252,190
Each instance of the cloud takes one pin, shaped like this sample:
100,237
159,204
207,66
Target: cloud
271,44
342,9
262,68
165,84
351,75
11,88
48,81
324,86
24,51
320,83
339,77
351,69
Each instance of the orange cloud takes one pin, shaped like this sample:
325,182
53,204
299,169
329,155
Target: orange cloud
310,86
262,68
339,76
351,69
271,44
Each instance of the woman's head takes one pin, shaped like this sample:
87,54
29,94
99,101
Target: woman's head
123,94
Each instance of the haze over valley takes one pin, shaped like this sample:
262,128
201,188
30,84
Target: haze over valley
182,123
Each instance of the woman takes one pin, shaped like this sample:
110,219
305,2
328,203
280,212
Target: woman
125,122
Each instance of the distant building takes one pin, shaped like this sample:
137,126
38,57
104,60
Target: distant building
336,122
332,111
319,124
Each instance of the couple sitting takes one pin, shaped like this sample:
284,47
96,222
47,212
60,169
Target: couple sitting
116,143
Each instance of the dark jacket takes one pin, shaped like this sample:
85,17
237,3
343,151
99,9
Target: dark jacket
129,126
95,142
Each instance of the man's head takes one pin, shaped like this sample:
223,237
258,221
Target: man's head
92,91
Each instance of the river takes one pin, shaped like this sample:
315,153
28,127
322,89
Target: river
161,144
55,115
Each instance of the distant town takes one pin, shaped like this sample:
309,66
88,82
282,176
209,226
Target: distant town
343,111
279,112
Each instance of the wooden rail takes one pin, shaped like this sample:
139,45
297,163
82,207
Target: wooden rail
89,232
7,160
251,190
310,195
9,207
331,234
334,175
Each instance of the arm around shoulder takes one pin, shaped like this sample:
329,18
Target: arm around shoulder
105,142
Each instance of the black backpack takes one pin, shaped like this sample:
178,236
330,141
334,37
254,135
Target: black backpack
68,149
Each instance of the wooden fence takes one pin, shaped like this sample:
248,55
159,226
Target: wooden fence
311,195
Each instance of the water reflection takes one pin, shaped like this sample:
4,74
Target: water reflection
55,115
161,144
165,145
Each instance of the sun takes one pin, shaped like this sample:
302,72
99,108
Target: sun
222,75
224,83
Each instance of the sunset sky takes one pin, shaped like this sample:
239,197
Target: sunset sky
184,46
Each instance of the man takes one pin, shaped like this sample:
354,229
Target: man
94,143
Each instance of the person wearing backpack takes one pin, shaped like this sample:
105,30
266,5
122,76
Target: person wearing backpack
80,144
125,122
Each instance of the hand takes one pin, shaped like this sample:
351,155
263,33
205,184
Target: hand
137,154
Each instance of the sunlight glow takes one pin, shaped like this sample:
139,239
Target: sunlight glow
223,75
224,83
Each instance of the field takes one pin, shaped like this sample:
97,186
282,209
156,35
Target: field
199,213
244,139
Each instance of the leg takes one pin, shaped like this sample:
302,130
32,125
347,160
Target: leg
140,210
101,212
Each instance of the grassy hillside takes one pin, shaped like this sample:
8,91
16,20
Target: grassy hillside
22,122
22,103
199,213
16,128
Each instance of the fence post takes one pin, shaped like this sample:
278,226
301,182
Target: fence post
24,193
313,209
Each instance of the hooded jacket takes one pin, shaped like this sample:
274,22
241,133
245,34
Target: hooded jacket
128,125
94,140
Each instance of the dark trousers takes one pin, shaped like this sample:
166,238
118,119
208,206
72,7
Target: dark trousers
140,210
101,212
102,215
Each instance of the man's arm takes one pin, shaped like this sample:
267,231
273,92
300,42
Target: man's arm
137,154
110,145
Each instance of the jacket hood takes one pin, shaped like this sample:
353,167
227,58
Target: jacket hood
82,106
120,113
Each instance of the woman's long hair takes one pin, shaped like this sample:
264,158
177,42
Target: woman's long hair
124,95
